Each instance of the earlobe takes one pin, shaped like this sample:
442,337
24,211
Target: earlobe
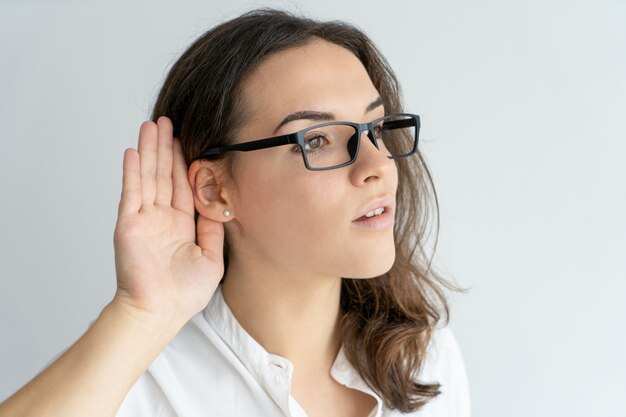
210,198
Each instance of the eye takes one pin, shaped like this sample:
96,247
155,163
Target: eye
378,130
313,143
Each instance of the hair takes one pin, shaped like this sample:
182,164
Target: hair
387,321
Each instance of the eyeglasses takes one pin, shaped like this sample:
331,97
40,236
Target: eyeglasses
336,144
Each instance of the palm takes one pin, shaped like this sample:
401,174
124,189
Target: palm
159,266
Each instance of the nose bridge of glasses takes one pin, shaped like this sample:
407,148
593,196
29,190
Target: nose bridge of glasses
370,135
353,142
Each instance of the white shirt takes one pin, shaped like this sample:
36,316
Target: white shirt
214,368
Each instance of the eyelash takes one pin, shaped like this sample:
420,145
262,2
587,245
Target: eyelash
296,149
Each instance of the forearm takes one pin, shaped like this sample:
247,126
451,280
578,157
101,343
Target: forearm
94,375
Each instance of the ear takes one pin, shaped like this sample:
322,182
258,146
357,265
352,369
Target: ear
210,195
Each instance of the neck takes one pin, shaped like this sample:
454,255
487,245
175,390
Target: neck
297,318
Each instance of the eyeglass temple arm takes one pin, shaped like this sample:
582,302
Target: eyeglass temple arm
398,124
253,145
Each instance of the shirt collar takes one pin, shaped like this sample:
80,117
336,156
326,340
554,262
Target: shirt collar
273,372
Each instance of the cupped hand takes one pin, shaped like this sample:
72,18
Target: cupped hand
159,266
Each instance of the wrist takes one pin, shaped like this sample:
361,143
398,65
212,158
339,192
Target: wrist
158,325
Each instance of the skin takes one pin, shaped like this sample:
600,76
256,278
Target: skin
284,274
297,238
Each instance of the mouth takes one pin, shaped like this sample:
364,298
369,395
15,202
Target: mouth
373,213
377,219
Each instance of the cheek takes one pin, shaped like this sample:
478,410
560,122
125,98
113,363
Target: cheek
292,213
294,207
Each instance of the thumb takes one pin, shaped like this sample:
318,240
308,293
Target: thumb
210,236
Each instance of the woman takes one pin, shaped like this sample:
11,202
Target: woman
269,244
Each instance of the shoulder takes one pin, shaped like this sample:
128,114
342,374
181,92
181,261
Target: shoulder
443,344
444,364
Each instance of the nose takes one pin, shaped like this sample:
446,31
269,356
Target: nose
352,143
370,161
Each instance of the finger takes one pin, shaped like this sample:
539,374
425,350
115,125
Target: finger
210,237
182,198
130,202
164,162
147,156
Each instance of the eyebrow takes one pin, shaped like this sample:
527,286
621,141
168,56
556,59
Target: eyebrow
316,115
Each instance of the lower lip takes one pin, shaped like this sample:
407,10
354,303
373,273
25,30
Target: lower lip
380,222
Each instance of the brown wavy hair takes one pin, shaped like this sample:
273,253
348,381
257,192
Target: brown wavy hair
387,320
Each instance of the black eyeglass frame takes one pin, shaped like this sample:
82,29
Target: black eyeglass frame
297,138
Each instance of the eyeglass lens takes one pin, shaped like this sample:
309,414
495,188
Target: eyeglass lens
332,145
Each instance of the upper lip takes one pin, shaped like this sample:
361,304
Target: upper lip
387,201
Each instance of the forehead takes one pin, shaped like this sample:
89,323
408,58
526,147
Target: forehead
319,76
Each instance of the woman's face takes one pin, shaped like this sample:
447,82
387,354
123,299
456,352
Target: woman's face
294,218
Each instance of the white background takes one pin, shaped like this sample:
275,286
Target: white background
523,108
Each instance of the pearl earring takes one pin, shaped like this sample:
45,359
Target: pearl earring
226,213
